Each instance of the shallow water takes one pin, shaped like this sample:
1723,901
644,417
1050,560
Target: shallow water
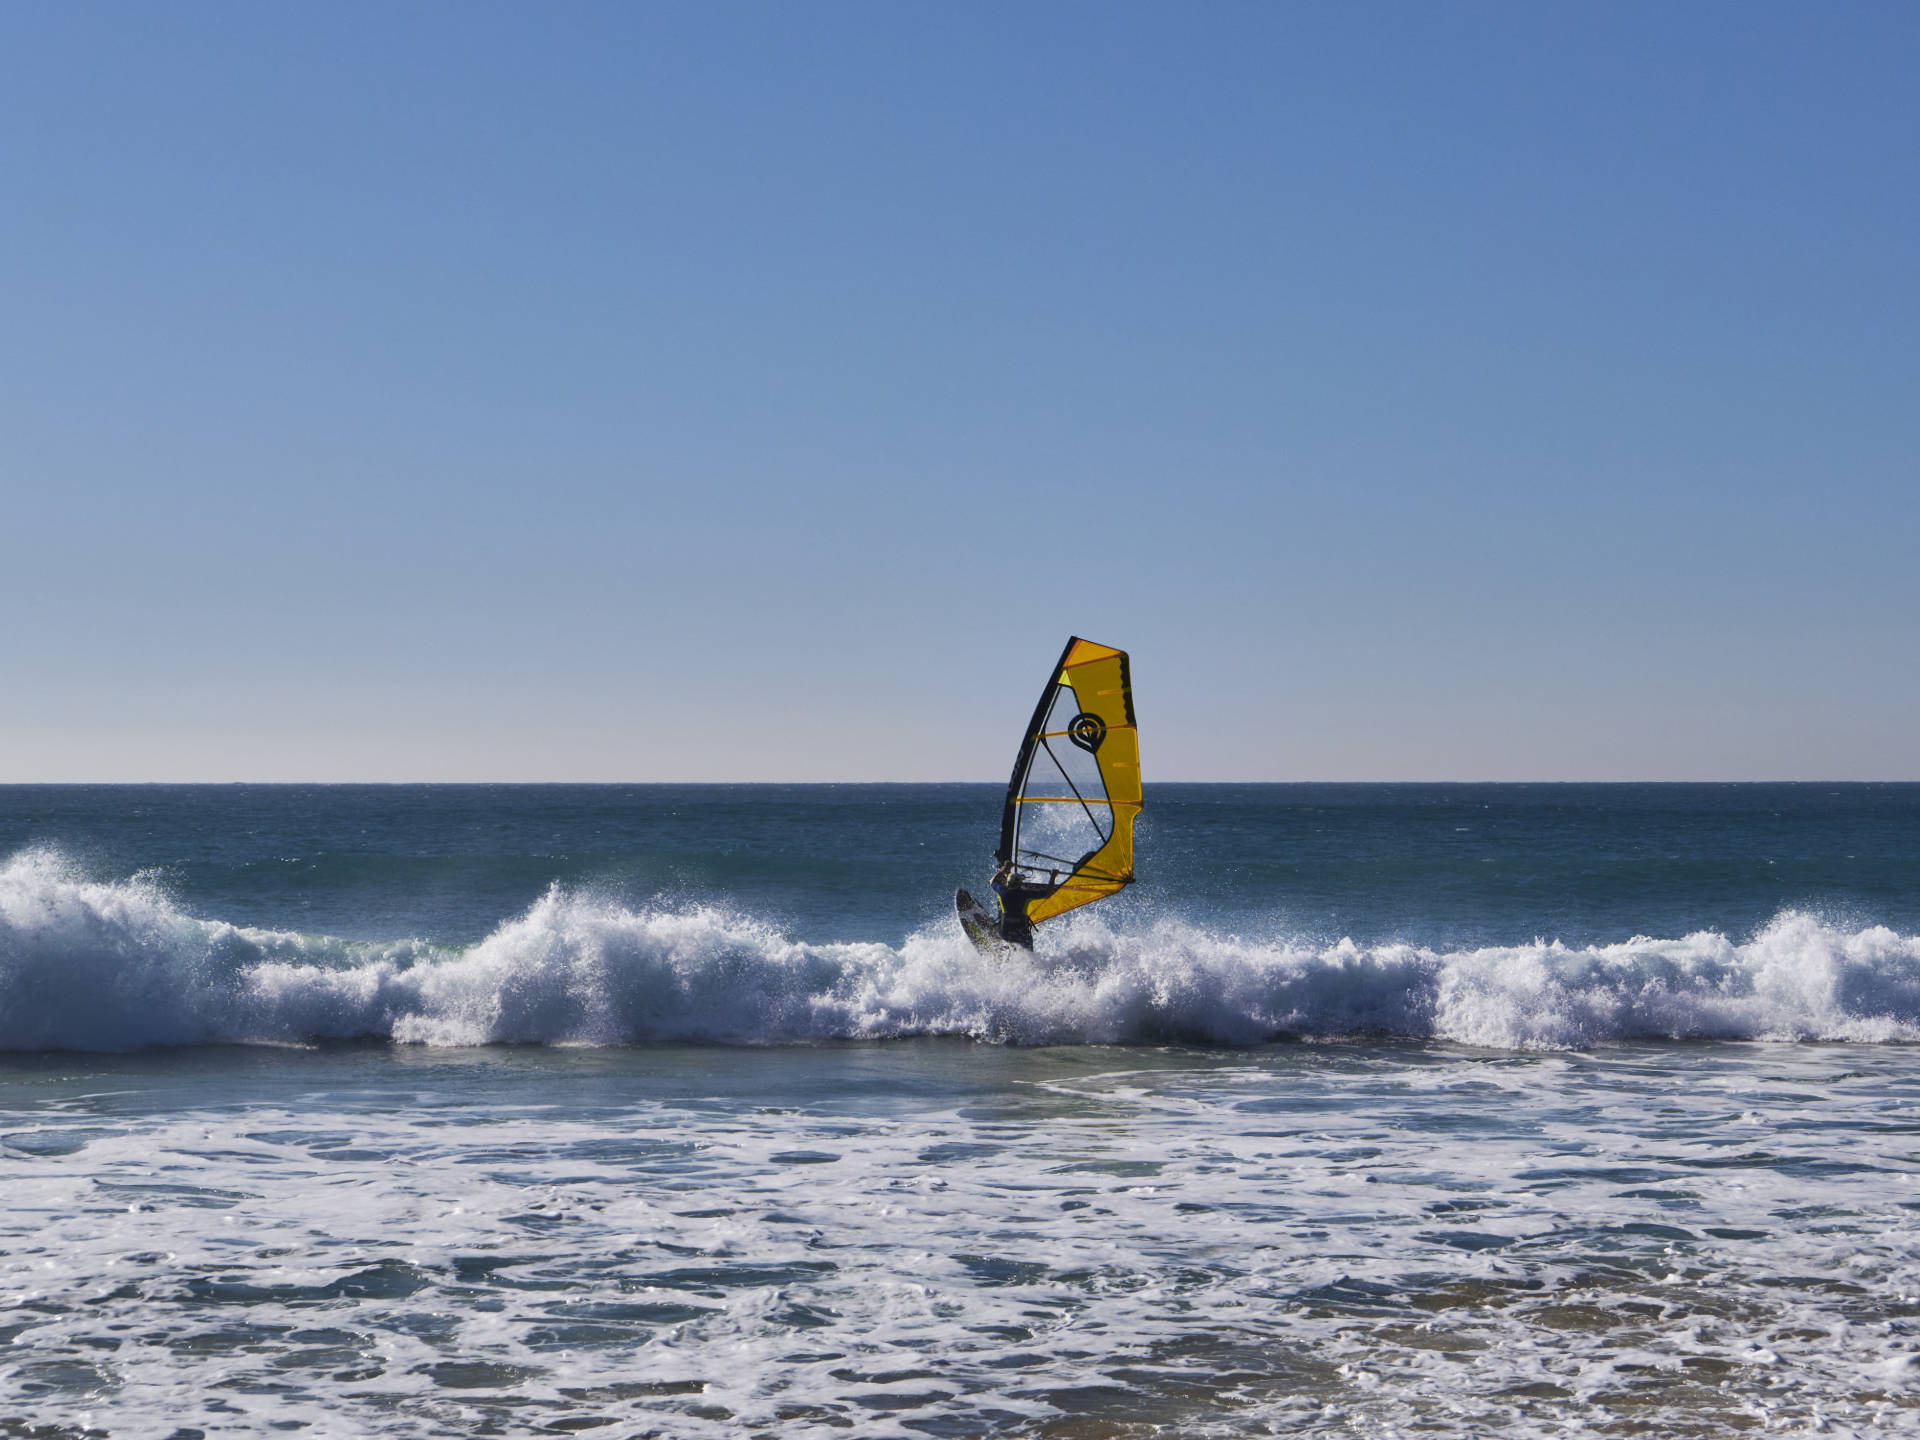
932,1237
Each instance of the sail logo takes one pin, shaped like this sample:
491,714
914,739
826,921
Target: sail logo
1087,731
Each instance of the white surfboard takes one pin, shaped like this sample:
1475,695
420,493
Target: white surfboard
981,924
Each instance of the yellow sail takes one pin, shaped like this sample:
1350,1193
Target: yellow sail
1066,836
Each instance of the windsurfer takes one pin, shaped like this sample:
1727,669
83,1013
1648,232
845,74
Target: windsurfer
1015,928
1077,798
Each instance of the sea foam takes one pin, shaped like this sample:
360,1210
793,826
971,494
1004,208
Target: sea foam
89,964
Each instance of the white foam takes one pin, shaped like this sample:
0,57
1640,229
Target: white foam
87,964
948,1240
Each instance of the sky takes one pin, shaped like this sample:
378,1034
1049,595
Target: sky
571,392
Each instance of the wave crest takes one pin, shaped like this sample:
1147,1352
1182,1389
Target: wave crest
113,965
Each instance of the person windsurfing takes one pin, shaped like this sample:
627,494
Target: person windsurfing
1014,928
1066,830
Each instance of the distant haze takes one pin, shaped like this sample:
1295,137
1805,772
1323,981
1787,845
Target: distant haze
731,392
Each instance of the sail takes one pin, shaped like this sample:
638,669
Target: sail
1067,830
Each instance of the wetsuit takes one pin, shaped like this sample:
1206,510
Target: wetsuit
1015,928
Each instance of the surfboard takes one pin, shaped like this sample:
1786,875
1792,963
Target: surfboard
981,925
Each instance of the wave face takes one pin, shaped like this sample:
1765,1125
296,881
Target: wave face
96,965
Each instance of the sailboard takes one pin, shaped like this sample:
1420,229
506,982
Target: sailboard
1066,830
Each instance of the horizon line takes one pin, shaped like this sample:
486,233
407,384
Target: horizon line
634,784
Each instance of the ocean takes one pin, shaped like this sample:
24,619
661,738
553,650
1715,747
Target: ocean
1371,1110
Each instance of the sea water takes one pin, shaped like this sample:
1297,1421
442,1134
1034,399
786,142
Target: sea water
686,1111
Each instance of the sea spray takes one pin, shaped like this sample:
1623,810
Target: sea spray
90,964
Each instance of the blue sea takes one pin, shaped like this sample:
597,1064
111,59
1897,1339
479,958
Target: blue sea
1370,1110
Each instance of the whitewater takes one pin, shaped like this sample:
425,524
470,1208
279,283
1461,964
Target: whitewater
111,965
686,1111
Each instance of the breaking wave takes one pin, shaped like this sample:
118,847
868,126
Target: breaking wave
112,965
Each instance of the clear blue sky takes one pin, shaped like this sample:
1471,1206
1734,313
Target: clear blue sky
689,391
